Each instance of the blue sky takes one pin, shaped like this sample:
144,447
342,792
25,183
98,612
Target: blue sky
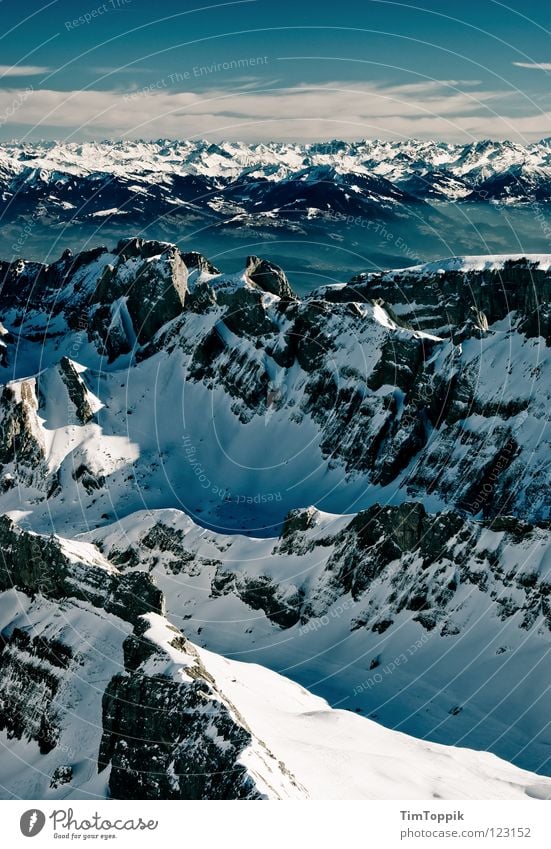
260,70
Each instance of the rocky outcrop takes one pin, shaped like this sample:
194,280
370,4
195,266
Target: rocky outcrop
386,559
167,733
270,277
395,371
152,278
195,261
5,339
32,669
38,564
21,448
76,389
157,294
392,559
452,298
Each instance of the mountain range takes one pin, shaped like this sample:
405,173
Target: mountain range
233,517
322,211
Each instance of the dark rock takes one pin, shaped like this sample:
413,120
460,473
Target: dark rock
134,594
76,389
62,774
194,260
30,675
170,739
270,277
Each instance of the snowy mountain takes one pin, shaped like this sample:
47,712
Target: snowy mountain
135,180
349,488
95,688
381,390
323,211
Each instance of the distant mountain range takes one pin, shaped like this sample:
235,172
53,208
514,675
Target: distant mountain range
137,180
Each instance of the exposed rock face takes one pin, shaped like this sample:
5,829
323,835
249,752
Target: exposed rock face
166,730
76,389
149,277
5,339
245,314
453,297
270,277
152,278
424,390
157,298
396,372
31,672
21,447
391,558
197,262
31,562
38,564
154,718
390,582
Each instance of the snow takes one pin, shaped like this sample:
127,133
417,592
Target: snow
256,471
336,754
455,169
300,749
487,262
104,213
96,640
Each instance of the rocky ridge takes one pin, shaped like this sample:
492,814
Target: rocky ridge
160,722
392,376
412,405
96,703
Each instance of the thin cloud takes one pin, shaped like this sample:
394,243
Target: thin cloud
539,66
430,109
22,70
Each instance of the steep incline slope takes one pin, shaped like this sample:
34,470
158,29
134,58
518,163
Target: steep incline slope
157,407
98,697
148,365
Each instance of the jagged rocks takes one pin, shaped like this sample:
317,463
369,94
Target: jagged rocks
453,297
295,524
388,404
76,389
307,338
110,331
270,277
133,595
31,670
157,295
31,562
262,593
63,774
90,481
167,732
152,278
39,564
245,314
20,442
195,261
5,339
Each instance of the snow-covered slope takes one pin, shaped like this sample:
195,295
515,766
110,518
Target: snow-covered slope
433,624
159,414
99,698
132,365
336,754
